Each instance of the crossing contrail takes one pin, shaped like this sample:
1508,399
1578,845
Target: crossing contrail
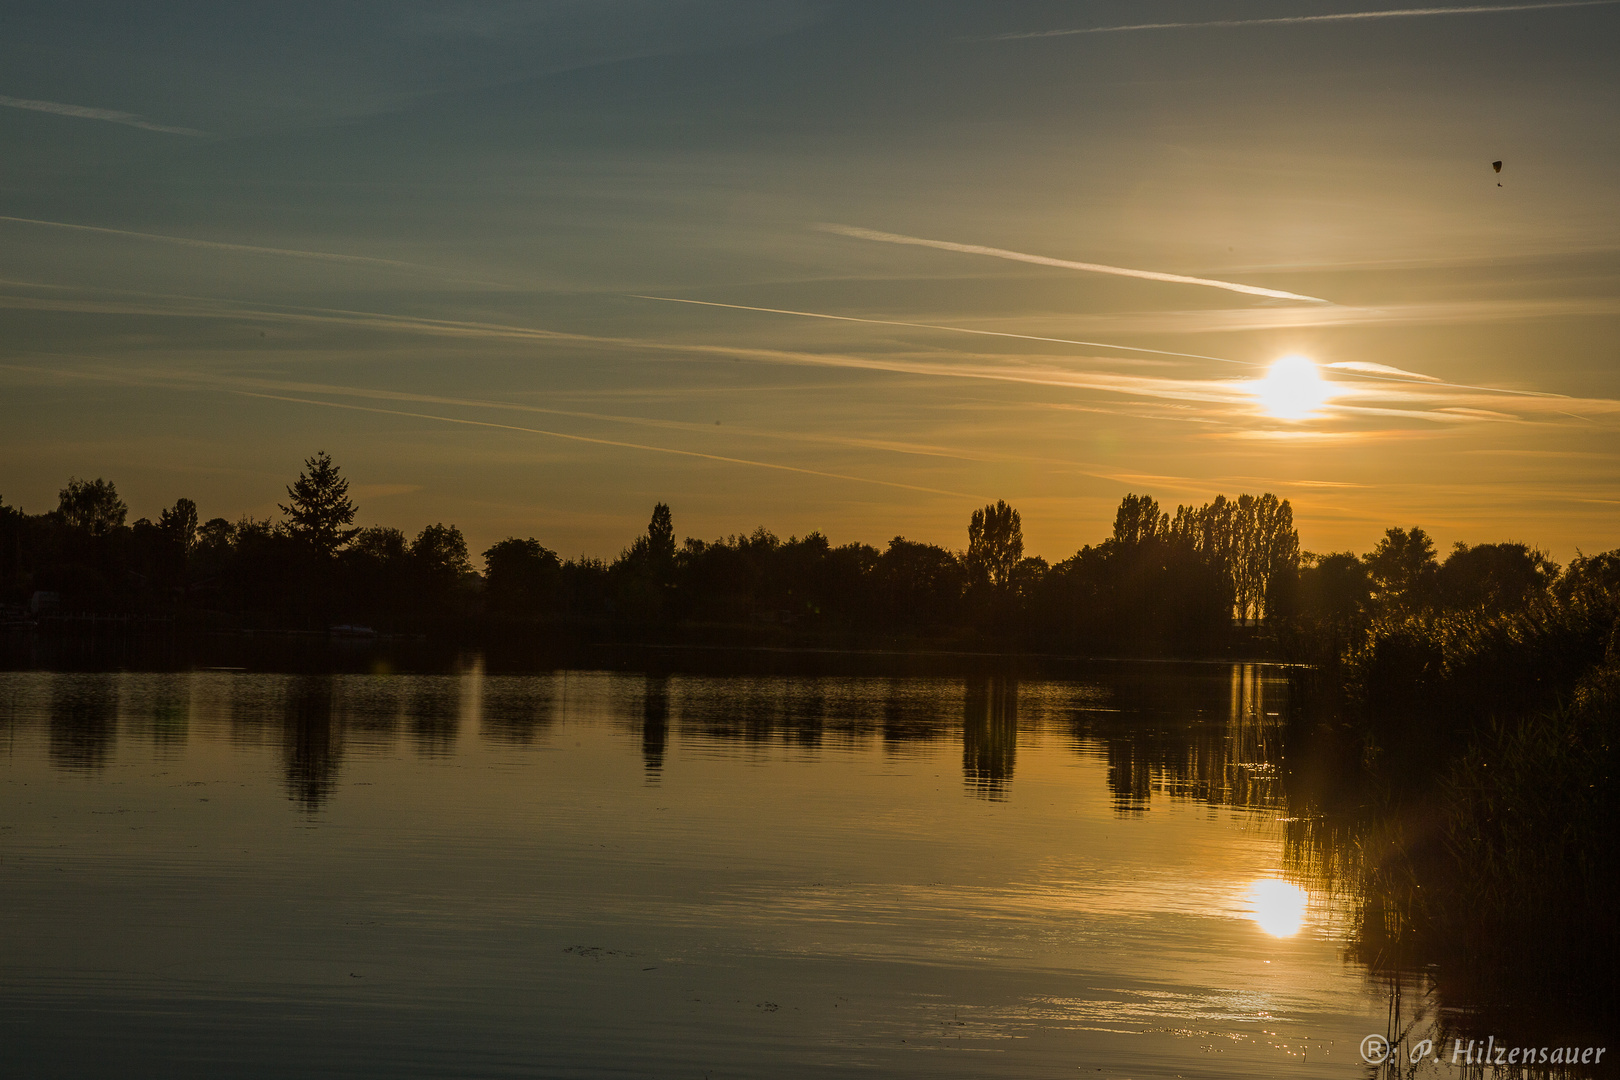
1067,264
216,245
1291,20
938,326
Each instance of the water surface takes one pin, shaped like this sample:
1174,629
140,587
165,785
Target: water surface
600,874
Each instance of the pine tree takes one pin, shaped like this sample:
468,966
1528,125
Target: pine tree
320,512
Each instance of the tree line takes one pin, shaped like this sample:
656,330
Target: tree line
1194,581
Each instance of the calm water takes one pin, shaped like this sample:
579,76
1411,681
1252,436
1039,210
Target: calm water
594,874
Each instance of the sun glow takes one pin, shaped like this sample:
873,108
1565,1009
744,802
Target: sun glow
1293,389
1277,907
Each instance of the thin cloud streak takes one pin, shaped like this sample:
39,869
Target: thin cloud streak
182,380
686,426
1243,320
1294,20
1067,264
217,245
1004,371
85,112
1377,372
605,442
1362,367
936,326
213,385
1238,396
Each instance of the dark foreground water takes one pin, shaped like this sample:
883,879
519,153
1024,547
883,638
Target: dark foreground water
220,874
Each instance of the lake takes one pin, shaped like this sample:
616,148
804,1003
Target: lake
587,873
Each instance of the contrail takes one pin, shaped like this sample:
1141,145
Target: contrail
216,245
602,442
1044,376
215,385
1290,20
1095,268
1360,367
935,326
85,112
229,383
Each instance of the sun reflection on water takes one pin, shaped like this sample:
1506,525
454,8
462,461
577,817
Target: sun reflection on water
1277,907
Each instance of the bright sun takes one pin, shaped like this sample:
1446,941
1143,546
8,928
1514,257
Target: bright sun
1292,389
1278,907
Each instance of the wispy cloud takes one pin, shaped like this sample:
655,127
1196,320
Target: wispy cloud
85,112
936,326
245,388
1292,20
1229,402
603,442
1243,320
1067,264
217,245
1380,369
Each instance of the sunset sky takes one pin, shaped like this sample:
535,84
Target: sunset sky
530,267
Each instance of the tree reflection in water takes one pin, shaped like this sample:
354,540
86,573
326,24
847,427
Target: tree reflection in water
83,721
311,744
654,725
989,735
1212,735
516,710
1453,965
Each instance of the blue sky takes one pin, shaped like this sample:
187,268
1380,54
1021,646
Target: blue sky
428,238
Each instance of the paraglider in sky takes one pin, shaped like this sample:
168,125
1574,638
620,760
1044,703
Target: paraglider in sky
1497,165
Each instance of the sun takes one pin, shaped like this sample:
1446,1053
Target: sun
1277,907
1293,389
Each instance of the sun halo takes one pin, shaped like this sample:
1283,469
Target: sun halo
1293,389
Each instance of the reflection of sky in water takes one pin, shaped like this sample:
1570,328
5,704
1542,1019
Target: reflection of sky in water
761,876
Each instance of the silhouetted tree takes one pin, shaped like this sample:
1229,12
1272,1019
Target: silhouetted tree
1138,521
995,544
15,568
521,579
1595,575
919,586
644,573
1334,589
1251,541
1402,568
1160,584
379,544
320,511
179,523
1493,578
376,582
440,565
1265,548
661,536
440,550
215,533
92,506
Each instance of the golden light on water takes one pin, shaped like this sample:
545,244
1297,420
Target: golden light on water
1293,389
1277,907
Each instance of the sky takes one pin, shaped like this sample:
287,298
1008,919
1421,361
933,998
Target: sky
531,266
